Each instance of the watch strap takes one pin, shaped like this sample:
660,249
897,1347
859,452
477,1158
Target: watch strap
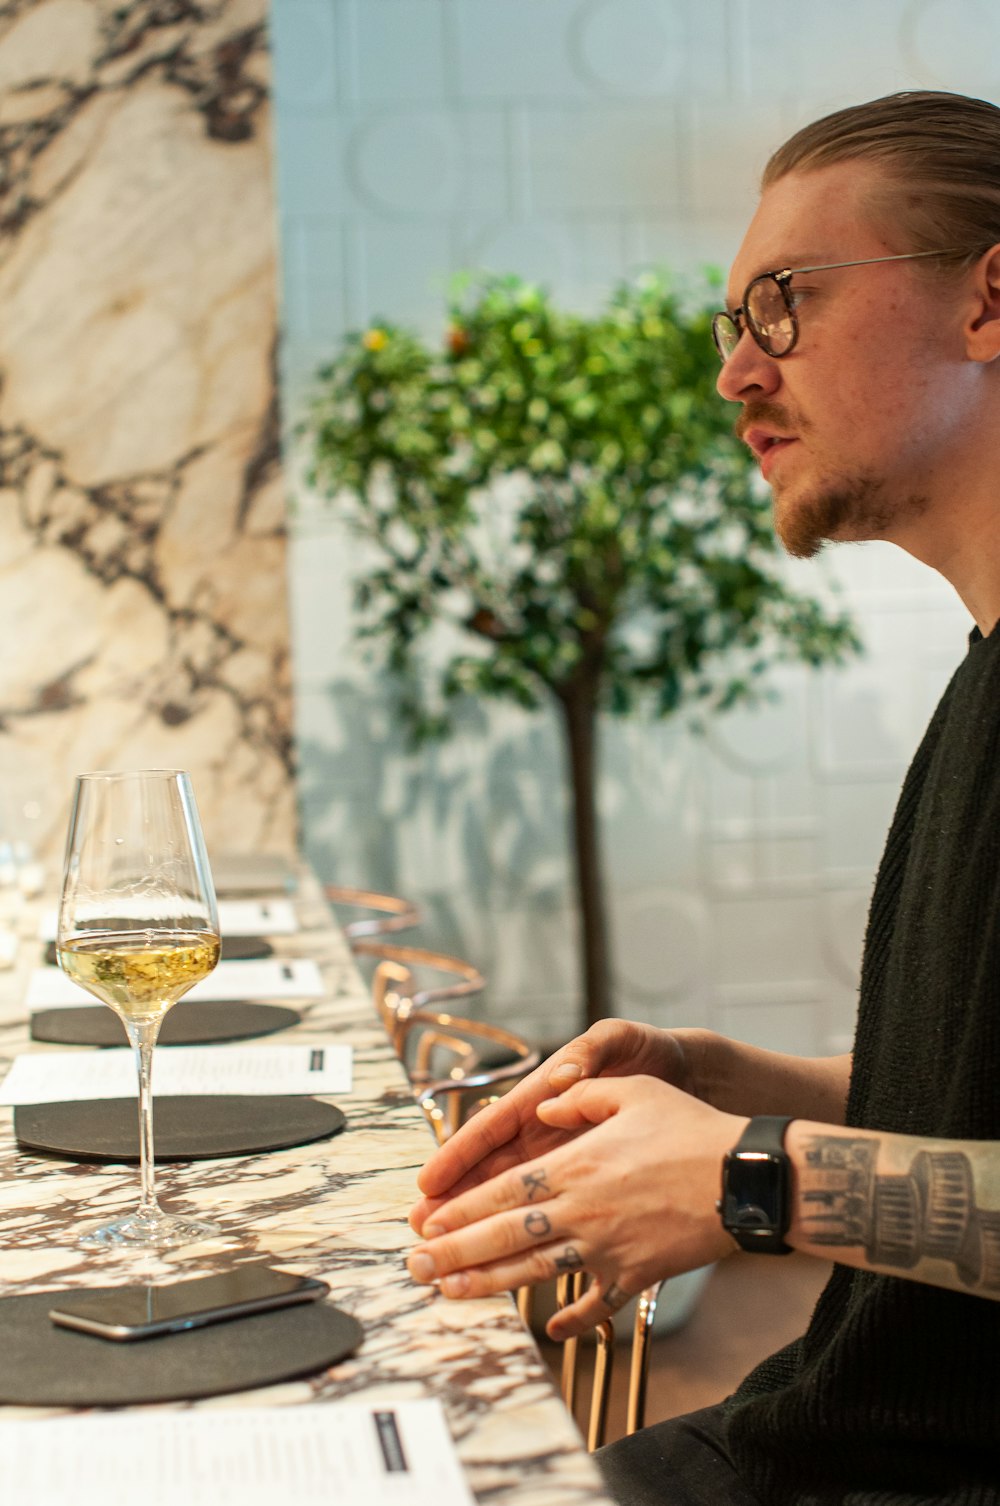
764,1134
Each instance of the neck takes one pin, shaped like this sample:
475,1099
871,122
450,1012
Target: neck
961,541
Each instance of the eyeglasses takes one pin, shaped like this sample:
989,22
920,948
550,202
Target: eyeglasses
768,307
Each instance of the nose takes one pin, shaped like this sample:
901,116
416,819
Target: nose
749,372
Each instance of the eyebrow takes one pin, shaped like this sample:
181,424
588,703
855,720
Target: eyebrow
802,259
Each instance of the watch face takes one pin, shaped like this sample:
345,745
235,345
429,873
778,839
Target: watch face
755,1192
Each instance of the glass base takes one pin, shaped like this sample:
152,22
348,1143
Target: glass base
143,1231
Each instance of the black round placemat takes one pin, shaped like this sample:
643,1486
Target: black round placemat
234,949
244,948
187,1128
48,1366
184,1025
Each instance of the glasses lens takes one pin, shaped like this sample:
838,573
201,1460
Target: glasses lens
769,316
725,334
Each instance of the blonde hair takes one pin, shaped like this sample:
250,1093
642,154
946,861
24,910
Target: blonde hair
941,158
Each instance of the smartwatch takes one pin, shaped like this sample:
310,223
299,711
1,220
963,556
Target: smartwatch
756,1187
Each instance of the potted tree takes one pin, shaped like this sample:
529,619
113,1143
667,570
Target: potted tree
566,493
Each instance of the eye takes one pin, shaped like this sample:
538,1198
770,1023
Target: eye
798,295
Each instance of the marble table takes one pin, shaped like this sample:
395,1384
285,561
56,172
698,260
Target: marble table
336,1209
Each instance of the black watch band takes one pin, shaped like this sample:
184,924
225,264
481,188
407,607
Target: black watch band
756,1187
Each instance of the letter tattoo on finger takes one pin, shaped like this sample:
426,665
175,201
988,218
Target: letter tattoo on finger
537,1225
613,1297
535,1182
569,1261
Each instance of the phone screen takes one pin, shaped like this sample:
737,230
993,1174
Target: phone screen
132,1311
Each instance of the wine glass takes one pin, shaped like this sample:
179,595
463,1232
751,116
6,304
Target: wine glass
138,926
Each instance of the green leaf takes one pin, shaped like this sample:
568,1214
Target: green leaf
576,483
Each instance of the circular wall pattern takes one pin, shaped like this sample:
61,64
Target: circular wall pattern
405,163
934,40
658,946
531,250
627,46
766,738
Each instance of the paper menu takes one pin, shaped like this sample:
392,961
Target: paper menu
257,917
346,1452
237,917
76,1076
266,978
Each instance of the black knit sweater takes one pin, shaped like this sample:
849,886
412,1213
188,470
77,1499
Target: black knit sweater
893,1394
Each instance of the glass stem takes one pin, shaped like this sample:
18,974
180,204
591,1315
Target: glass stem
142,1034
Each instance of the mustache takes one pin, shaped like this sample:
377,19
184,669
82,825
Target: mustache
768,414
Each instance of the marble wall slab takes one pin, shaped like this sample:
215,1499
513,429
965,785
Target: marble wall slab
143,611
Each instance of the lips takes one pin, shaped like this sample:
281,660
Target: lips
767,446
761,441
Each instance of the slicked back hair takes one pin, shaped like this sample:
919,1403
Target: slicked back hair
940,155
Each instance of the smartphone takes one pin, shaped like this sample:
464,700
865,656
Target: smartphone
141,1312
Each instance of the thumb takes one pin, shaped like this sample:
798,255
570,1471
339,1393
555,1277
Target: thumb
586,1056
586,1103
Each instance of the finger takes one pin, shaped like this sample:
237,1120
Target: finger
425,1207
525,1269
423,1210
485,1243
488,1142
478,1138
598,1050
587,1103
490,1131
485,1140
599,1301
536,1182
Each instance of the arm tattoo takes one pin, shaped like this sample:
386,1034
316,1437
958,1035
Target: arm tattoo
614,1297
537,1224
535,1182
928,1212
570,1260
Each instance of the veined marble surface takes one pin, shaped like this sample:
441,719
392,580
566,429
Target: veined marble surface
335,1209
142,541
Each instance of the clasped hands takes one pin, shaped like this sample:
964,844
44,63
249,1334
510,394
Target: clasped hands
601,1160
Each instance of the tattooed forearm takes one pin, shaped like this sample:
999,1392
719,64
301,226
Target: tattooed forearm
928,1212
536,1184
537,1225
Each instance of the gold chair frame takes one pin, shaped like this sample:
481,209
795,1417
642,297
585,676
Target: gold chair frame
569,1289
394,985
401,1006
395,913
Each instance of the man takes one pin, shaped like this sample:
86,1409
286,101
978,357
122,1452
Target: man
863,342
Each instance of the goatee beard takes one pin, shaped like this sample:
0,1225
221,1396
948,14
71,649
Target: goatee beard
854,510
850,509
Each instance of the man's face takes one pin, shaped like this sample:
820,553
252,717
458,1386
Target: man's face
872,404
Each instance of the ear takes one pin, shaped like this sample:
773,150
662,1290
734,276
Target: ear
982,327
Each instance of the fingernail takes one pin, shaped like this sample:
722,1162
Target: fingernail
421,1266
455,1286
431,1231
568,1072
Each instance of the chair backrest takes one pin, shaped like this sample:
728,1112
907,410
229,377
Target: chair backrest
569,1289
396,965
451,1090
446,1060
455,1065
393,913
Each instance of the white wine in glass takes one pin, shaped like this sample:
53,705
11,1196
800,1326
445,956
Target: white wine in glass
138,926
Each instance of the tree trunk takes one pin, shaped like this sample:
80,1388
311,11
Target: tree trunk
578,704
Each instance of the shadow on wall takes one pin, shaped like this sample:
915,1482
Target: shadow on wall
476,830
473,828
